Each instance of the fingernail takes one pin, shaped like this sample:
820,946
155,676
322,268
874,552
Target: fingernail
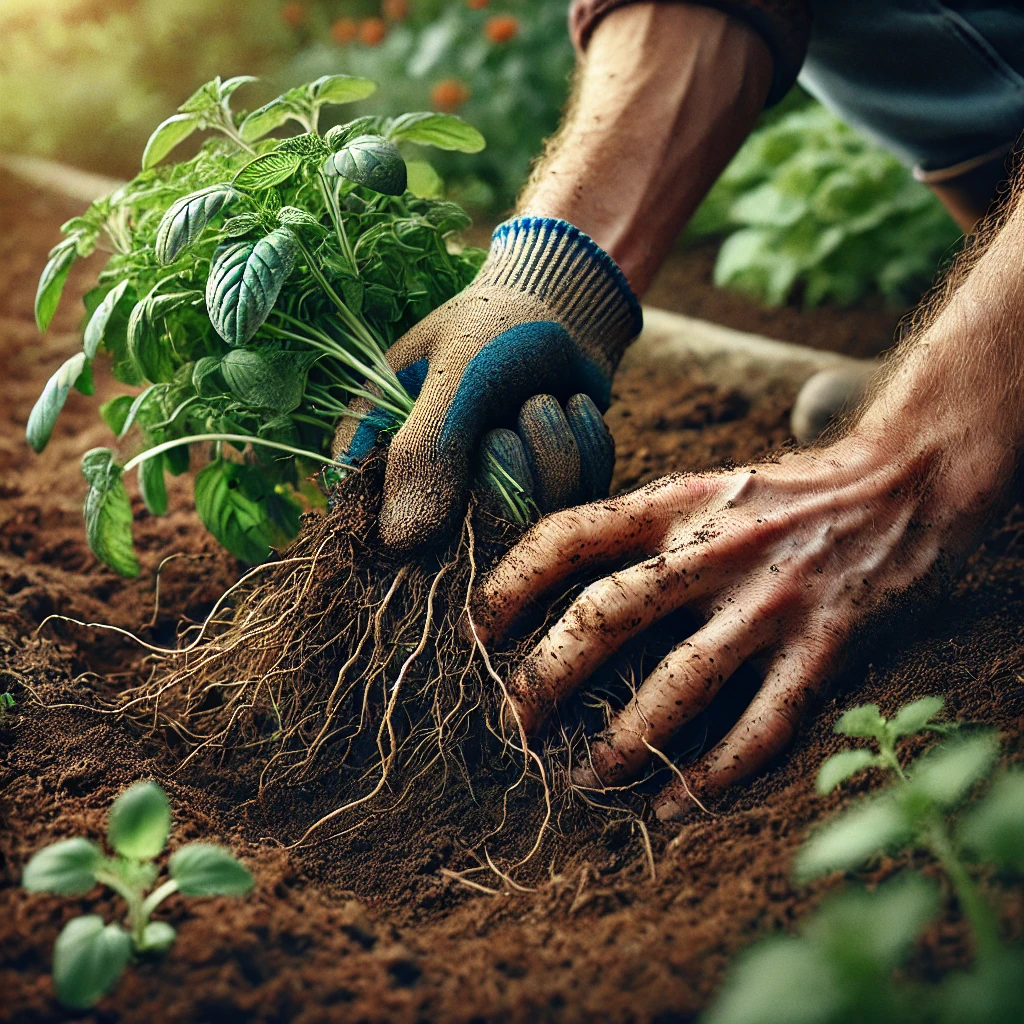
668,811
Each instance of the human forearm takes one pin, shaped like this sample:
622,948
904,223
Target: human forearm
664,98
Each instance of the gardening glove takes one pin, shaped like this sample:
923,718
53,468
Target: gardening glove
544,323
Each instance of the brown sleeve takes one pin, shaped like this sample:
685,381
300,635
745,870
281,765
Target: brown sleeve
785,25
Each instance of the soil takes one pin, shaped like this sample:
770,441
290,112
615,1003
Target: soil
372,925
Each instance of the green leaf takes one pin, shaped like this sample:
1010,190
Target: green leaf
67,868
423,181
204,376
84,382
994,829
839,767
245,280
243,224
266,171
444,131
205,99
340,89
157,937
136,407
140,821
152,486
108,512
293,217
51,281
945,775
238,522
847,842
88,958
202,869
372,161
97,324
369,124
864,722
186,219
229,86
913,717
307,145
177,128
115,412
49,404
267,380
266,118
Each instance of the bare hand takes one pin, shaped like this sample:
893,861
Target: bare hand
782,561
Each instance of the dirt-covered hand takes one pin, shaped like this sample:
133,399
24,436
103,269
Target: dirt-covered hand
783,563
548,315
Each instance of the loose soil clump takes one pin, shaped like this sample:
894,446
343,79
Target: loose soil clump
402,918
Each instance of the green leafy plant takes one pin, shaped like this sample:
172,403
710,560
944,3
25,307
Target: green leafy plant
809,203
840,967
90,954
7,704
253,290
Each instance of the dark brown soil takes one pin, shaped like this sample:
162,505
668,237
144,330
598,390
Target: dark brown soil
367,927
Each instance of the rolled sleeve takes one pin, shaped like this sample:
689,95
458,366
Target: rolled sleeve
785,26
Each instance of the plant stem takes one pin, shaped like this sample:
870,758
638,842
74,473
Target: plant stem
155,898
243,438
136,921
339,229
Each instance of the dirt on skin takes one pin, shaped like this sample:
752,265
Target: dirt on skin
368,926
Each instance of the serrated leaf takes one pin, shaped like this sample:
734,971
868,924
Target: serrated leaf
371,161
140,821
245,280
292,216
186,219
369,124
443,131
846,843
267,380
238,522
839,767
993,830
340,89
51,281
88,957
176,129
97,324
864,722
115,412
243,224
108,512
309,144
152,485
945,775
204,99
67,868
203,869
44,413
266,118
266,171
915,716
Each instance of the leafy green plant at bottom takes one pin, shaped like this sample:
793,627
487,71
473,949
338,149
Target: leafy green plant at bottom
91,954
840,968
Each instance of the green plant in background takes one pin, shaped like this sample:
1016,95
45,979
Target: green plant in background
840,967
808,204
89,954
254,289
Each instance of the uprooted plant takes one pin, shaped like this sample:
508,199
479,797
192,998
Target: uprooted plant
90,955
840,968
254,290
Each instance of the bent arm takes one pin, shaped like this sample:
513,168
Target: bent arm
663,99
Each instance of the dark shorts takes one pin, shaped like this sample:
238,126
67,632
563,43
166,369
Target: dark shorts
939,84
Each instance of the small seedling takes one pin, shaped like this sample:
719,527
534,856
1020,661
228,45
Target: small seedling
90,955
840,968
6,706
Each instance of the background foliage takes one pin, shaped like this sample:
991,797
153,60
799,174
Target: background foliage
810,209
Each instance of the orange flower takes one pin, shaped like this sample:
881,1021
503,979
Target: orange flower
501,28
477,5
343,31
293,14
448,95
372,31
395,10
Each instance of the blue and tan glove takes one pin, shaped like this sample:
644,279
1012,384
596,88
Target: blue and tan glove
532,345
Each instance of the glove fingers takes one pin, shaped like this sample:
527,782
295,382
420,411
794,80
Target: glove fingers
504,470
551,451
596,446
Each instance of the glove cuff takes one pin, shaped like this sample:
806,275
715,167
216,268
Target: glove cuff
570,273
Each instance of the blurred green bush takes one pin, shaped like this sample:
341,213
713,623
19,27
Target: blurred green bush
809,209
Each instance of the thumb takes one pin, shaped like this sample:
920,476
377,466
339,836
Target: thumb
468,387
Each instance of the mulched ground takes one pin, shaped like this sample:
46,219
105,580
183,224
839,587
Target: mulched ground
366,928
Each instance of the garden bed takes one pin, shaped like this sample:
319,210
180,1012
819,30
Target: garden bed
368,926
